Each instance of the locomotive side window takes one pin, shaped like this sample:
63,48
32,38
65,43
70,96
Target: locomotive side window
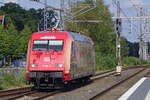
56,45
40,45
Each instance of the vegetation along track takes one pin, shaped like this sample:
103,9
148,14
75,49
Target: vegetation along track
95,97
13,94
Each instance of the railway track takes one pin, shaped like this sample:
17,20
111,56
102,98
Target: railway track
14,94
25,94
34,95
4,93
113,71
147,74
98,95
46,95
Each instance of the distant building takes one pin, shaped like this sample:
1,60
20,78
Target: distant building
2,19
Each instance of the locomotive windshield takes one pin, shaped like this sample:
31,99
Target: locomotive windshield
52,45
55,45
40,45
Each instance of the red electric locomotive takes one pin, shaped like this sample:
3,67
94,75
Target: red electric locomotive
56,58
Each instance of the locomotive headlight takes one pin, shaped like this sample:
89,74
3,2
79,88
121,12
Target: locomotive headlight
59,65
34,65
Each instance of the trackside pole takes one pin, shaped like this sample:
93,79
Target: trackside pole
118,67
118,44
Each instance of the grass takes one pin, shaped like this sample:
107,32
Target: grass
129,61
13,81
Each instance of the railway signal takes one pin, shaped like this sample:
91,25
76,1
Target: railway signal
50,19
118,44
118,26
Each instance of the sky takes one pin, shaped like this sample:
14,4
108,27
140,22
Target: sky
126,6
30,4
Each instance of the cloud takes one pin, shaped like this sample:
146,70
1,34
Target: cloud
7,1
137,2
130,3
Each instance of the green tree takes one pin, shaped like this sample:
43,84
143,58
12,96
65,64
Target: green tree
3,38
124,48
9,41
12,42
24,39
20,16
16,13
101,33
134,49
31,19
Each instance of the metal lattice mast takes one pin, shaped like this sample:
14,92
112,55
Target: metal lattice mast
45,15
145,44
62,14
141,36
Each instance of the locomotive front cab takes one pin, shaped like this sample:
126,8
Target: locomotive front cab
47,55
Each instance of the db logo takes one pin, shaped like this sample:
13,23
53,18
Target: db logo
46,59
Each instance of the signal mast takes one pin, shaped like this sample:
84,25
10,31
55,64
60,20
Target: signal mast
45,22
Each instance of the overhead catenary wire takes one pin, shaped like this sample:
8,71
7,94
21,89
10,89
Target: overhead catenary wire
80,14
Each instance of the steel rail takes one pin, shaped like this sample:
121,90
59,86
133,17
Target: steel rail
112,71
47,95
147,74
1,91
115,85
9,94
14,91
125,68
21,95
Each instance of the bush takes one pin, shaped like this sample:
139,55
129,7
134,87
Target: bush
104,62
8,80
12,81
133,61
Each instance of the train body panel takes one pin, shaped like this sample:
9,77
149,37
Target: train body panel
59,57
82,57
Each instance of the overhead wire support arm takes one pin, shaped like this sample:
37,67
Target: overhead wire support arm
114,1
88,21
53,8
135,17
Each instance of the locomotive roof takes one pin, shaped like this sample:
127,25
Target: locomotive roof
79,37
75,35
